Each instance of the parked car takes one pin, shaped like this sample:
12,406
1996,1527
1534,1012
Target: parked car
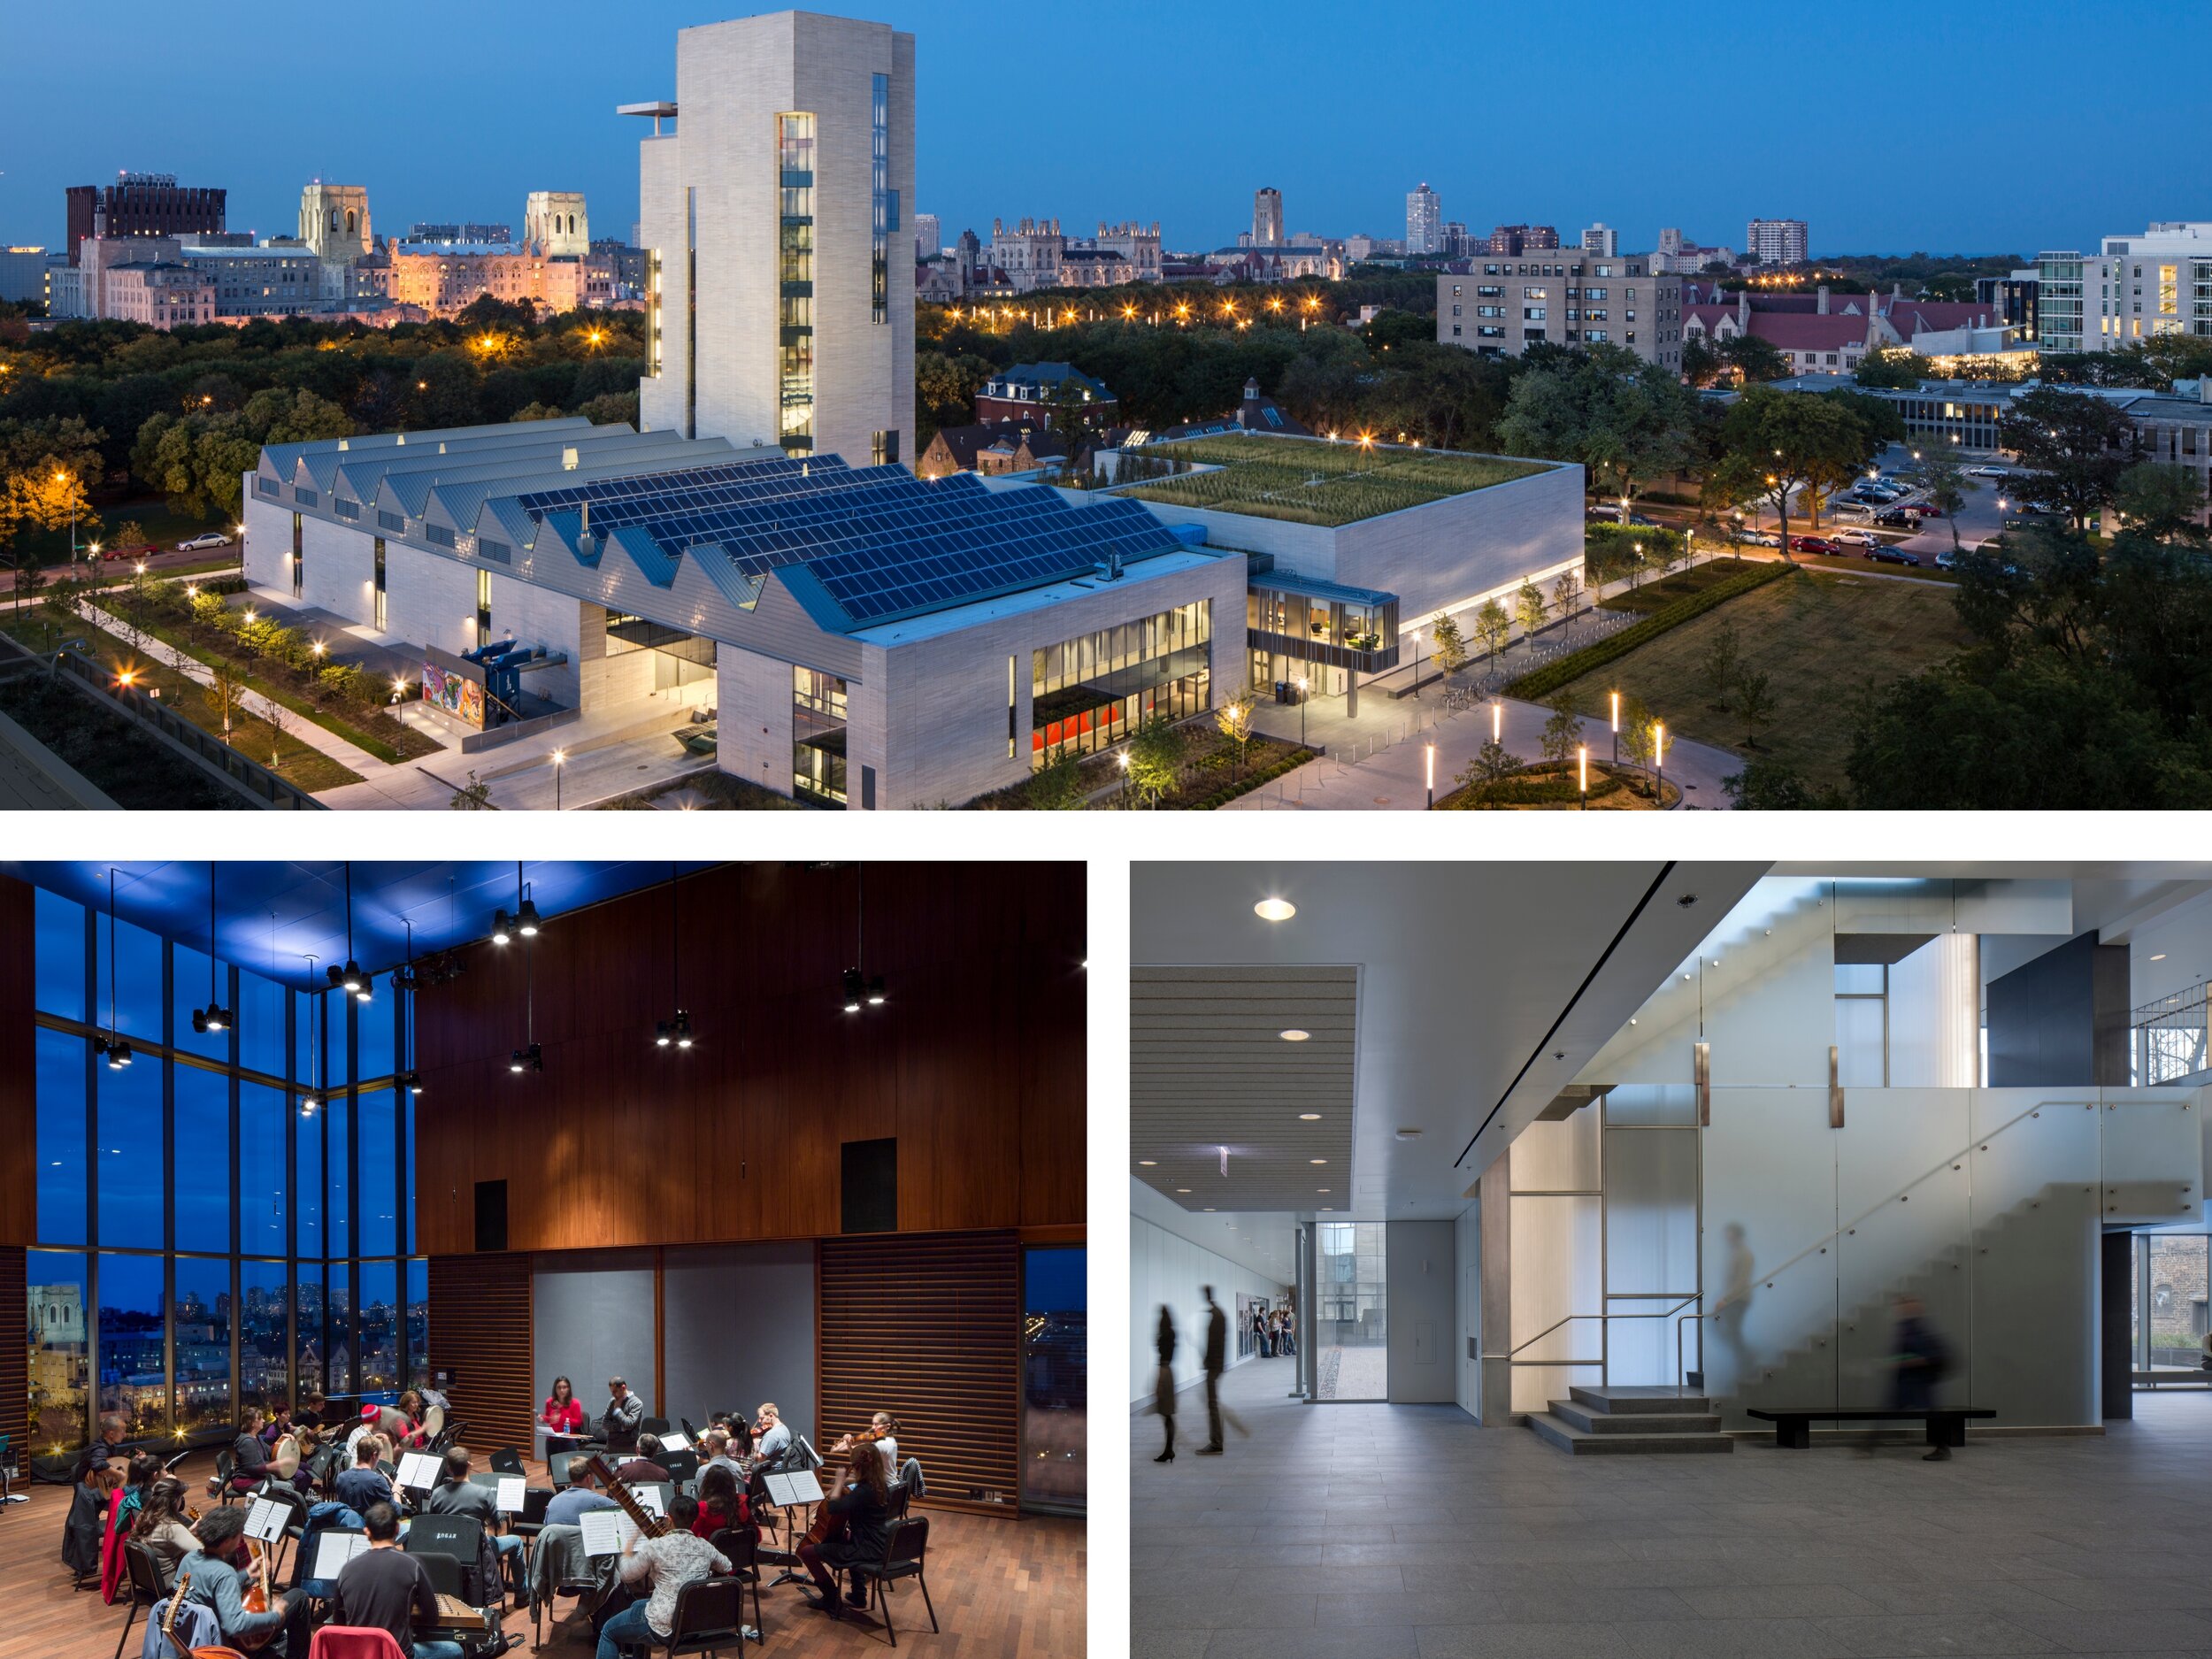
1599,511
1926,510
1951,558
1755,538
1813,544
1858,538
1852,510
1988,472
1891,554
205,540
1637,518
1897,518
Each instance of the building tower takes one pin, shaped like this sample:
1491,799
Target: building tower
779,294
1424,221
554,222
1601,240
334,221
1267,217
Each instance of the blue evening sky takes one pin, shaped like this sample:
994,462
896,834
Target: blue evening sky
2045,123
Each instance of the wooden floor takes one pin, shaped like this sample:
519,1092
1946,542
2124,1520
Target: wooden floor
1003,1589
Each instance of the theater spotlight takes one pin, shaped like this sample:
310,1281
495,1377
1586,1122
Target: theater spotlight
673,1033
855,988
529,1059
875,992
526,919
502,930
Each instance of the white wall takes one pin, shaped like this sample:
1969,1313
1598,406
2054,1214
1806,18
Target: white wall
1423,1290
1467,1253
1165,1268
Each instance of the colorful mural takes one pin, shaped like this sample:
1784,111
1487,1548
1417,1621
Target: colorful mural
458,696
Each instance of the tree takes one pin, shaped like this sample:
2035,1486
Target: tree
1491,765
1768,785
1155,758
129,534
1057,786
1943,477
1492,626
1627,422
1891,370
1563,732
1774,443
1722,664
1754,360
224,692
1636,730
1234,718
539,411
276,735
475,796
1755,703
2165,502
610,408
1529,608
1450,646
2075,445
1566,595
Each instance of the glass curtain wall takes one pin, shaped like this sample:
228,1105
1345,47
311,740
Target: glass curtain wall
1055,1345
1351,1330
2171,1292
204,1233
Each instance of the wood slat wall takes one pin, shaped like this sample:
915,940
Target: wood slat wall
929,1329
481,1330
976,1063
15,1376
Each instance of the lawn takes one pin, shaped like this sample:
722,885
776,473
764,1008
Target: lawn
163,526
1648,596
300,763
1820,641
1311,481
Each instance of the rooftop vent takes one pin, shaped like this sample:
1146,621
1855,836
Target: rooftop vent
569,460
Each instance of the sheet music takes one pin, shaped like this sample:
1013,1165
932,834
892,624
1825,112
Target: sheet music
510,1500
800,1487
649,1497
333,1550
675,1440
605,1531
266,1518
418,1471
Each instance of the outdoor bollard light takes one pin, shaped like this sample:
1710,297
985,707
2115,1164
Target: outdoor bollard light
1429,760
1616,728
1302,713
1659,761
1582,764
559,756
1497,719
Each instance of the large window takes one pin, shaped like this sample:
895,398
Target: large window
1055,1347
199,1232
817,735
1090,692
795,146
1352,1332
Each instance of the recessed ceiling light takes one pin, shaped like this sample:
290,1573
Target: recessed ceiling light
1320,1189
1325,1209
2161,956
1148,1162
1209,1210
1274,910
1309,1117
1182,1189
1294,1036
1317,1160
1409,1134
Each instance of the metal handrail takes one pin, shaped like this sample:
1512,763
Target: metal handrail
1572,1317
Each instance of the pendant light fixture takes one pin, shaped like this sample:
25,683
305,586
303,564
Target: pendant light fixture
674,1034
529,1057
523,922
351,976
312,1097
111,1046
214,1017
404,985
858,988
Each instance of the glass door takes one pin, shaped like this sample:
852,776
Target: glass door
1351,1326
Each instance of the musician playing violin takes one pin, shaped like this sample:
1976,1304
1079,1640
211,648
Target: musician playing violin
225,1578
853,1526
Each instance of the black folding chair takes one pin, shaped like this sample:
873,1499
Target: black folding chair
460,1537
709,1616
507,1460
225,1464
738,1547
903,1557
556,1468
146,1587
443,1571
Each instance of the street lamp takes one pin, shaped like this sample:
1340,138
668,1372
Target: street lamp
1659,761
1497,720
1582,767
1302,712
558,758
1616,728
1429,761
61,477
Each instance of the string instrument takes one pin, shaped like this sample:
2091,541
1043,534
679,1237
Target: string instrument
169,1618
455,1614
648,1524
825,1525
258,1599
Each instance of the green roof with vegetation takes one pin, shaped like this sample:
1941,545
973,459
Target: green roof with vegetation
1311,480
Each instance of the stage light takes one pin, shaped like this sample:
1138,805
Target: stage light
855,988
502,930
526,919
875,992
527,1059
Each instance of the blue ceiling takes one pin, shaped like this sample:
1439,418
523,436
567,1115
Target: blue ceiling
301,905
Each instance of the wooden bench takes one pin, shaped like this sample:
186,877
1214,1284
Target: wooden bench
1946,1426
2171,1379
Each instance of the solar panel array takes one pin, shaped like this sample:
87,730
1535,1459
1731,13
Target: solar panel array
880,541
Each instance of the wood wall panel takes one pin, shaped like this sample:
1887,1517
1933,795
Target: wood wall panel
928,1328
479,1330
19,1071
15,1374
976,1063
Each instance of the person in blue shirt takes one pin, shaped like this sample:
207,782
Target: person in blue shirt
220,1576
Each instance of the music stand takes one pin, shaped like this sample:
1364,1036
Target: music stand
785,1491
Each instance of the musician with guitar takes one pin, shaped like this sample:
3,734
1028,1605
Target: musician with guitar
231,1574
384,1588
852,1524
665,1553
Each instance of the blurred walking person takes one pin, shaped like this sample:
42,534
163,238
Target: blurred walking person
1918,1360
1216,1361
1735,1302
1163,1385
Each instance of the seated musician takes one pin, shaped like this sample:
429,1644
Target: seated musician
389,1424
123,1509
248,1457
672,1560
646,1465
885,1428
161,1527
108,1443
563,1413
364,1486
619,1423
384,1588
415,1436
277,1426
723,1503
771,1435
862,1505
221,1573
457,1495
571,1503
716,1446
314,1413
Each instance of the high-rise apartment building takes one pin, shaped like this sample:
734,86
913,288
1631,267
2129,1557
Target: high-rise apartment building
1511,241
1267,217
1424,221
1776,241
928,236
142,204
1602,238
780,292
2133,287
555,223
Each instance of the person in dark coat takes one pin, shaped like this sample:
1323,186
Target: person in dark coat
84,1530
1919,1360
1164,1384
1216,1361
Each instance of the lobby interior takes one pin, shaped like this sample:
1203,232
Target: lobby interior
1558,1175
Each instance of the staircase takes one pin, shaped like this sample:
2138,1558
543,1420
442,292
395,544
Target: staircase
1605,1421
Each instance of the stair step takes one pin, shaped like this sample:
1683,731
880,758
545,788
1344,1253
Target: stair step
1589,1422
1626,1401
1578,1443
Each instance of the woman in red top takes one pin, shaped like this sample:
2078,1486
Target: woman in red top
721,1505
563,1414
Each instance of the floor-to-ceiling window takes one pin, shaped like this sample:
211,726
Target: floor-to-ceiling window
211,1214
1351,1333
1055,1347
2169,1313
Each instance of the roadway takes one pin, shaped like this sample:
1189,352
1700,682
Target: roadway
121,570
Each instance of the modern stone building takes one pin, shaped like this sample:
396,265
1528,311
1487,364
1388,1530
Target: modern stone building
2133,288
780,299
1500,307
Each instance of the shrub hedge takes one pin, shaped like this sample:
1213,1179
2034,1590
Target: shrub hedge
1541,682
